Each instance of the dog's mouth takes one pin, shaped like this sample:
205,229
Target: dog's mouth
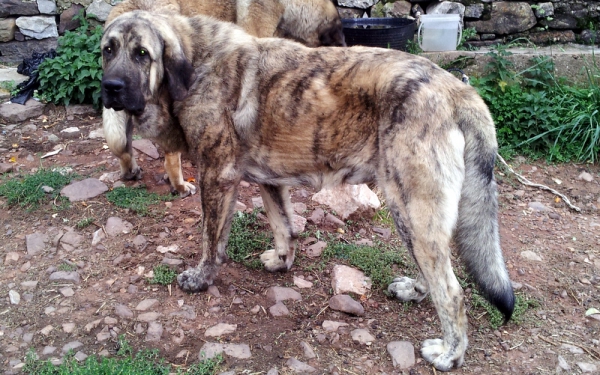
115,96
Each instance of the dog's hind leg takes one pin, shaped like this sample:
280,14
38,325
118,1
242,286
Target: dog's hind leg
422,190
118,132
279,211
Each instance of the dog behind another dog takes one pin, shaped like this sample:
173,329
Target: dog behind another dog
311,22
276,113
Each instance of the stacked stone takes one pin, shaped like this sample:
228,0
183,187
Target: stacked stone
497,21
34,26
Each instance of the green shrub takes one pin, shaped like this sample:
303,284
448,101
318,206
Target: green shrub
163,275
74,75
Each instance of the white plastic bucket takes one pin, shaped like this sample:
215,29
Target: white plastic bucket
439,32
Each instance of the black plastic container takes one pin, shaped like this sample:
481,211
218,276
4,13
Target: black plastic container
379,32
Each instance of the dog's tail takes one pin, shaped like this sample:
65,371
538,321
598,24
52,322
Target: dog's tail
477,228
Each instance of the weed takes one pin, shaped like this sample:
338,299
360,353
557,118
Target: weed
413,47
144,362
376,262
163,275
67,267
523,303
10,86
28,192
74,74
137,199
85,222
467,34
246,237
383,216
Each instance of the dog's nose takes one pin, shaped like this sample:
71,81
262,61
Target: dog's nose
113,85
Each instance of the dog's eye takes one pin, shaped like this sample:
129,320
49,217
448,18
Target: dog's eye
142,52
107,50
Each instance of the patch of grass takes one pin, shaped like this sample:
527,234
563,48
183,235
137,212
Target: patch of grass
163,275
136,199
144,362
10,86
375,262
523,303
85,222
67,267
383,216
28,193
247,239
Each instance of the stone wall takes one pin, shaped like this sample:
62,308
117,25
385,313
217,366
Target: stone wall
34,25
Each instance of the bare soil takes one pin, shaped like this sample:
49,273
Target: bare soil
565,283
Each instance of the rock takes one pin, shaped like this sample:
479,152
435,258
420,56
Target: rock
36,243
346,200
402,353
298,223
315,250
397,9
92,325
385,233
211,349
299,208
446,7
146,304
5,168
362,336
349,280
67,292
572,348
279,309
214,291
544,10
345,303
98,236
14,297
147,147
148,317
587,367
116,226
317,216
155,331
585,176
257,202
72,276
168,249
220,330
67,22
11,257
552,36
99,9
331,326
48,350
537,206
301,283
38,27
46,6
530,255
80,356
362,4
68,327
334,220
46,330
278,294
309,353
71,346
96,134
72,132
102,336
80,110
562,363
140,242
12,7
84,190
474,11
298,366
506,18
72,239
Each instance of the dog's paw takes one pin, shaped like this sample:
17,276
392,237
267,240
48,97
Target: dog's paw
435,352
194,280
189,189
272,262
404,289
132,174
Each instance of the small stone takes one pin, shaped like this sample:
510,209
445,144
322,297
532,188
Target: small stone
71,346
11,257
345,303
46,330
14,297
68,327
349,280
67,292
530,255
214,291
148,317
279,309
28,337
362,336
537,206
155,331
278,294
220,330
585,176
299,367
309,353
587,367
331,326
402,353
146,304
301,283
92,325
123,311
48,350
72,276
80,356
102,336
315,250
29,285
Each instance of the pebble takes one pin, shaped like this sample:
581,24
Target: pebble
123,311
315,250
308,351
67,292
334,220
402,353
345,303
155,331
72,276
587,367
300,367
214,291
317,216
278,294
46,330
29,285
530,255
331,326
346,279
102,336
146,304
71,346
220,330
148,317
362,336
68,327
11,257
80,356
279,309
116,226
301,283
14,297
211,349
48,350
92,325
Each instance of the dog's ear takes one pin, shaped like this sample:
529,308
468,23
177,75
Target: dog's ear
179,72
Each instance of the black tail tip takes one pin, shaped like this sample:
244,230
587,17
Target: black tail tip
505,303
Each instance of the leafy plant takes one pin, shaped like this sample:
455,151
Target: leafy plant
74,74
467,34
137,199
163,275
247,237
28,192
10,86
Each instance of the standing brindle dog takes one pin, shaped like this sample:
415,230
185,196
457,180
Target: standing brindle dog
277,113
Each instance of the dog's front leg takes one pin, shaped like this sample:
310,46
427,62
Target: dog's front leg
175,175
218,179
279,211
118,131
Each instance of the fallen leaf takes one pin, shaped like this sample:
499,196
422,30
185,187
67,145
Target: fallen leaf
191,179
13,159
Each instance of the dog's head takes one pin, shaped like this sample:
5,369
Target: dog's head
313,23
142,55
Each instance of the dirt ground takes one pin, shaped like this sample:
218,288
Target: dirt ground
555,337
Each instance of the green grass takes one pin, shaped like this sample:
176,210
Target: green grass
27,192
383,216
85,222
163,275
144,362
67,267
523,304
247,240
137,199
375,262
